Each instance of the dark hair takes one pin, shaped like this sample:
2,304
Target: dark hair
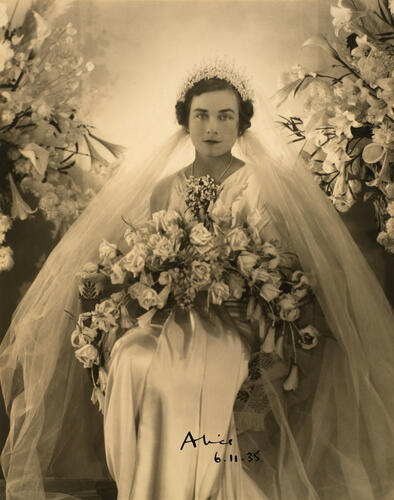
182,108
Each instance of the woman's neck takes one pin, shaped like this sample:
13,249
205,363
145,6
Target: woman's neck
212,165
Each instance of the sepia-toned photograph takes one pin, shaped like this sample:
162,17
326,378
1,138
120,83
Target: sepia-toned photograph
196,249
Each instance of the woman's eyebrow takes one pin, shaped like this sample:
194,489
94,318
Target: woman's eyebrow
201,110
226,110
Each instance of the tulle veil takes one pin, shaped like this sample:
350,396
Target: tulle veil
333,439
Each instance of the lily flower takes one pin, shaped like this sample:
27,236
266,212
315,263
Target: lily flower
115,149
38,157
279,346
103,379
262,326
269,341
125,320
19,209
95,157
98,397
343,16
43,30
291,382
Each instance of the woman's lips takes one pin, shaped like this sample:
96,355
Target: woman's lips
212,142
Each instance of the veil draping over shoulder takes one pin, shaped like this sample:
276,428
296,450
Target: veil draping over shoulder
333,439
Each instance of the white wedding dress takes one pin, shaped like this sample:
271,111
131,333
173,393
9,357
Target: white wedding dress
177,382
332,438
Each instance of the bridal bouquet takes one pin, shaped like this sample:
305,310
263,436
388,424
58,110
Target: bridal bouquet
348,118
175,260
46,151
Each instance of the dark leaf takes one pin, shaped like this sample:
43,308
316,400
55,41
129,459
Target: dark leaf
364,131
369,195
383,12
351,41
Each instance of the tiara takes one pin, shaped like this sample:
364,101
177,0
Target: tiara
217,69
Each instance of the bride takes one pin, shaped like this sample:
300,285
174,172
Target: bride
170,429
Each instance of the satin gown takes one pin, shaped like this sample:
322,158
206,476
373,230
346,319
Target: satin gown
169,424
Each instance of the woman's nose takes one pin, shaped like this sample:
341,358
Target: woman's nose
212,127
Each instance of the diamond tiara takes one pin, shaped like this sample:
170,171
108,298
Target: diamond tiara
217,69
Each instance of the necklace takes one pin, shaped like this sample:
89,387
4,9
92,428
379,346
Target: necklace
222,174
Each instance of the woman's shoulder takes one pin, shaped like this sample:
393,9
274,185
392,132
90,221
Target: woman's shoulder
165,188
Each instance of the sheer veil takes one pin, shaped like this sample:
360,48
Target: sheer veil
334,439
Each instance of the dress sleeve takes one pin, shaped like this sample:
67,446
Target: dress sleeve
259,217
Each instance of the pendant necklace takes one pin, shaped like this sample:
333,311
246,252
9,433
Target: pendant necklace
222,174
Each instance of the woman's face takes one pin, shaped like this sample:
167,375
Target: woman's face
213,122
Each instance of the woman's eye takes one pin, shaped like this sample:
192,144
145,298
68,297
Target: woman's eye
225,117
201,116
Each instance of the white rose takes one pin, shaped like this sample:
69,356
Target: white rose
246,261
134,261
83,335
132,237
117,274
168,277
106,307
384,239
201,273
90,267
269,291
260,274
288,308
6,260
107,251
167,220
149,298
89,271
118,296
219,292
308,337
237,239
343,203
272,252
163,247
136,290
301,284
88,355
103,322
199,235
146,296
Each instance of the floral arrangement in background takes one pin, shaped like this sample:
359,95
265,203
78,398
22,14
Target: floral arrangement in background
204,258
348,118
45,148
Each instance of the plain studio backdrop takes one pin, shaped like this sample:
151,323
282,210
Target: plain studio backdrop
142,51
